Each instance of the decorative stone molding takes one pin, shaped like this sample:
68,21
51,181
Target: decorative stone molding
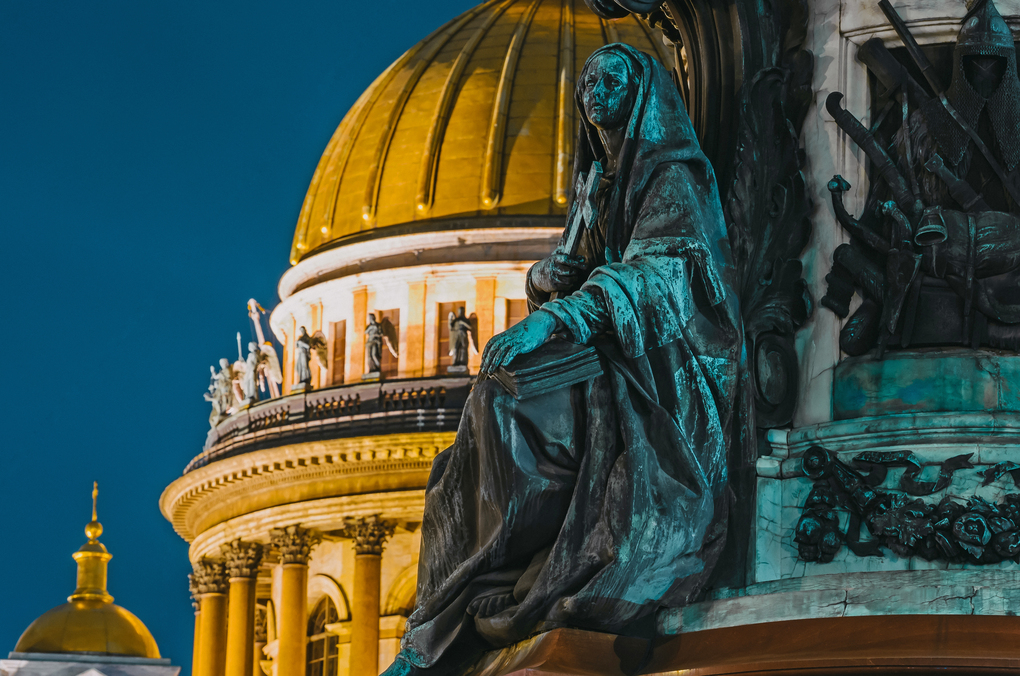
210,577
369,533
242,558
261,625
260,480
294,543
325,515
347,411
463,244
900,593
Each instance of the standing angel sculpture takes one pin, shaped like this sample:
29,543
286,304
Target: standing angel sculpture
377,333
604,500
306,350
462,338
261,367
221,392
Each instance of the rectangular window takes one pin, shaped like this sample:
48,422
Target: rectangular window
443,319
390,320
337,360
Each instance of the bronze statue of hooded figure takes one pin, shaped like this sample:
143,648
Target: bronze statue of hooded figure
592,505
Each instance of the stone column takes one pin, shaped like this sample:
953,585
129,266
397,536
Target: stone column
261,638
369,535
295,545
193,588
210,580
242,563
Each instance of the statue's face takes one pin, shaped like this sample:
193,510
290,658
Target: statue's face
224,363
608,94
984,73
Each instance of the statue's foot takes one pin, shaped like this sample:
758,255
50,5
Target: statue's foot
487,606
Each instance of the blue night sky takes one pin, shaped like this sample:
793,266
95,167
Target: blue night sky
153,159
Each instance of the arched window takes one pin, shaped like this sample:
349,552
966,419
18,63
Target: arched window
323,649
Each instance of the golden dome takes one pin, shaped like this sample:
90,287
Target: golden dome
89,622
88,626
476,120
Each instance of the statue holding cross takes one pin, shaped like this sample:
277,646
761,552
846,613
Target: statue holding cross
599,499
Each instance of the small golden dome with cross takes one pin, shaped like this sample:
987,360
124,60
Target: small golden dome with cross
89,622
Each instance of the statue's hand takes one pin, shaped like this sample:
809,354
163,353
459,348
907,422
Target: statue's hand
559,272
520,338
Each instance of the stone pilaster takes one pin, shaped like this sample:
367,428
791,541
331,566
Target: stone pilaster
369,535
242,560
209,583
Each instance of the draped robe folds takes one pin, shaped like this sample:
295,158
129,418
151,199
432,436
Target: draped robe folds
595,504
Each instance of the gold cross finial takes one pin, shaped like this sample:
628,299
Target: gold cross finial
93,529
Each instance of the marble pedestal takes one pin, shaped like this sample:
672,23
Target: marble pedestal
919,645
934,404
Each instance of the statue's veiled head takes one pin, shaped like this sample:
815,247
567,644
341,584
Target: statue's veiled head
608,91
224,363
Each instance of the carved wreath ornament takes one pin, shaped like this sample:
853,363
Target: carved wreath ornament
975,531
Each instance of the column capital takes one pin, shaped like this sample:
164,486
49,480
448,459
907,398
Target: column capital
242,559
193,588
369,533
210,577
294,543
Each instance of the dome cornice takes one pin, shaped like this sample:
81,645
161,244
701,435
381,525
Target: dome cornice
296,473
527,239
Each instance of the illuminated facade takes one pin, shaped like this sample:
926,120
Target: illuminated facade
443,184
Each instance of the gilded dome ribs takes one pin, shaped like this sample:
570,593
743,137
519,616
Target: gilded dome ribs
565,107
493,162
347,134
368,211
433,142
475,123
